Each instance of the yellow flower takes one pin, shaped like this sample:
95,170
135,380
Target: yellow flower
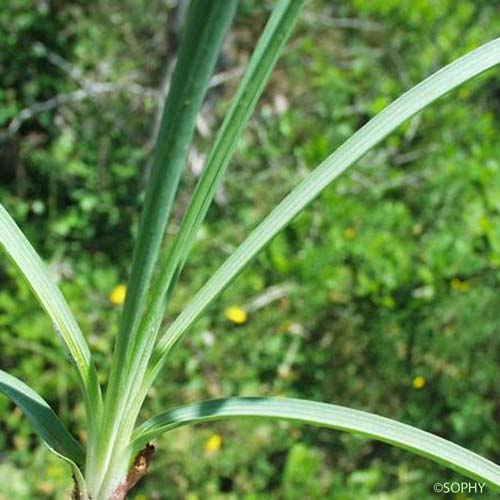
419,382
236,315
459,285
213,444
350,233
117,295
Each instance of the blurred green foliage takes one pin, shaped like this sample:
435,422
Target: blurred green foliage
384,295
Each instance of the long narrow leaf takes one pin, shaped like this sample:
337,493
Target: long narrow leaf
413,101
262,62
334,417
264,58
206,25
43,419
50,297
47,425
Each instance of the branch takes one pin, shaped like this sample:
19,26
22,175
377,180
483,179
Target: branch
91,91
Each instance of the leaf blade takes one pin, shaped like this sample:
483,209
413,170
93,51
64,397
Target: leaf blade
335,417
260,67
29,263
206,25
43,419
263,60
205,28
413,101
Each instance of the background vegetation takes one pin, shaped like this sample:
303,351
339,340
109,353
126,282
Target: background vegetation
384,295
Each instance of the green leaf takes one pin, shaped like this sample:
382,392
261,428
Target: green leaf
352,150
262,62
205,27
264,58
43,419
331,416
50,297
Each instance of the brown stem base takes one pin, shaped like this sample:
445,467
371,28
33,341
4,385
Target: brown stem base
135,474
138,470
